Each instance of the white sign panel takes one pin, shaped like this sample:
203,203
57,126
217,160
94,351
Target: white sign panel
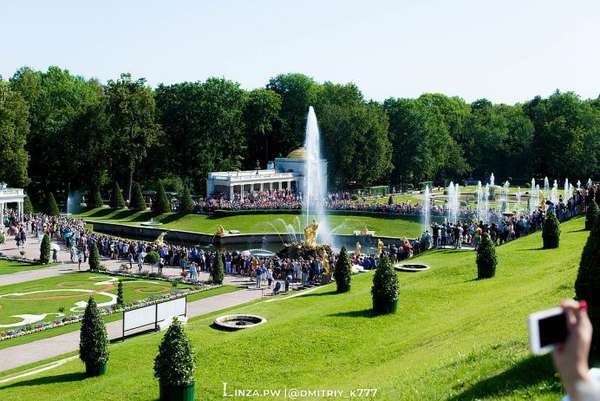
175,307
139,317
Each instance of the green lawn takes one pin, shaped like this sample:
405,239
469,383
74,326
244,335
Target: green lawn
453,338
10,267
45,297
259,223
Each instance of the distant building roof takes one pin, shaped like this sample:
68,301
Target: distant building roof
297,154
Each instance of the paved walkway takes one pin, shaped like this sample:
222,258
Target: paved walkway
20,355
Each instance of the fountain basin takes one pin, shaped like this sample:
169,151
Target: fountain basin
411,267
239,322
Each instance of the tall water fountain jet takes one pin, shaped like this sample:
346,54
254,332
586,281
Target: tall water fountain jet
481,212
315,180
453,202
492,179
486,203
567,191
426,209
534,197
589,183
578,185
518,199
504,197
546,188
554,193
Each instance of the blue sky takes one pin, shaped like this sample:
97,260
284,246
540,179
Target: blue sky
507,51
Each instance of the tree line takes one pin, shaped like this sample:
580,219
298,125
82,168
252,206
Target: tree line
62,132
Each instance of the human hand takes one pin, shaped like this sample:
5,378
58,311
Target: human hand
571,358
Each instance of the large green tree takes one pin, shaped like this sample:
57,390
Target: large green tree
132,109
14,127
261,113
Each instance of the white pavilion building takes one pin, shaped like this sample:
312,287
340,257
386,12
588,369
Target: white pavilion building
11,195
282,173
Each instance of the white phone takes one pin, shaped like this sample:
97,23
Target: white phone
547,329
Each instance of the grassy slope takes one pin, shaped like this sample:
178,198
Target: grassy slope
453,338
259,223
10,267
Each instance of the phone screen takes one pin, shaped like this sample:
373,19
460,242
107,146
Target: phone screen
553,330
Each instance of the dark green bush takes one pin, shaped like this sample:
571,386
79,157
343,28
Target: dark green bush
120,298
137,198
93,345
343,271
186,204
96,198
174,365
51,206
116,200
591,214
587,284
486,258
45,250
551,231
152,257
162,204
385,290
27,206
217,272
94,259
2,239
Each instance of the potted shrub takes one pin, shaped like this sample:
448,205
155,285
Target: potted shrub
486,258
343,272
93,345
120,298
591,214
45,250
94,259
385,288
217,273
174,365
551,231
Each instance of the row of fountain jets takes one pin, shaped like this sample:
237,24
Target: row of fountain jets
483,192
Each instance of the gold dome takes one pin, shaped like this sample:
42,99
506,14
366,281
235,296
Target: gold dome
297,154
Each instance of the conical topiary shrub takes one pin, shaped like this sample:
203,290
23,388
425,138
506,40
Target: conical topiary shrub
120,298
116,200
93,343
45,250
385,290
343,271
587,284
51,206
174,365
186,205
591,214
96,198
217,273
162,204
551,231
137,198
486,258
94,259
27,206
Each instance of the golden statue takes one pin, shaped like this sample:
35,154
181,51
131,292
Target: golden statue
379,247
310,235
160,240
324,261
220,231
357,248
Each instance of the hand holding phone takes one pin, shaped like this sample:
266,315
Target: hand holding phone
547,329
